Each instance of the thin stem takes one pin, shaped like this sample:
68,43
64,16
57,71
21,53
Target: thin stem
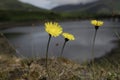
17,52
47,54
93,46
63,47
117,34
93,51
32,42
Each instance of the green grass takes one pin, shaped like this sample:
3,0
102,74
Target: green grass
19,16
26,16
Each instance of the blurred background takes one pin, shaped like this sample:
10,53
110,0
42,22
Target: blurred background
42,10
22,22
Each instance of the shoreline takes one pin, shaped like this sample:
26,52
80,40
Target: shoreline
5,25
10,24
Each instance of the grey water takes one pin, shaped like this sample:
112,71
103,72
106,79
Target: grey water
31,41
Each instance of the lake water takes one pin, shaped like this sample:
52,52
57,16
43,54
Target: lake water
31,41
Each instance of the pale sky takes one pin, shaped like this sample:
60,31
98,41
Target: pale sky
49,4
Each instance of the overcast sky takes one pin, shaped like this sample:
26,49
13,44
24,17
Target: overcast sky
48,4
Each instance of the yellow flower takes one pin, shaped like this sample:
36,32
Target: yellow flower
68,36
97,23
54,29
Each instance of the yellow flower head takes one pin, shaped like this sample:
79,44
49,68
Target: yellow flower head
97,23
68,36
54,29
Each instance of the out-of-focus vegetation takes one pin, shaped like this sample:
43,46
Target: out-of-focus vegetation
22,16
27,15
85,15
16,11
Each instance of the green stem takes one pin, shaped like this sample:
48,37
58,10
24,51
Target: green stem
93,53
63,47
93,46
47,55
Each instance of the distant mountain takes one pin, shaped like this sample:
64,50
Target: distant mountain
17,5
100,6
